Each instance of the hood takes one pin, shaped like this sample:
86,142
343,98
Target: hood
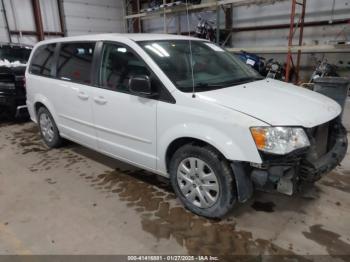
276,103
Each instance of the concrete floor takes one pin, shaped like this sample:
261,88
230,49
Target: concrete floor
75,201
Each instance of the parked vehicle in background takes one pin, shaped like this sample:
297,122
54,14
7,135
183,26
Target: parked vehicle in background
324,69
159,3
155,3
275,70
269,69
205,29
13,60
255,61
198,115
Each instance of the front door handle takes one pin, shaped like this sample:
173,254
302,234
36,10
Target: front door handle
100,100
83,95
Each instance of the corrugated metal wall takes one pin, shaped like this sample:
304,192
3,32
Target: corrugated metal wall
50,15
99,16
279,13
273,14
20,17
3,34
81,17
267,14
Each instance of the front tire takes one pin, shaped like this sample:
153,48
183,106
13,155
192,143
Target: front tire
202,180
48,128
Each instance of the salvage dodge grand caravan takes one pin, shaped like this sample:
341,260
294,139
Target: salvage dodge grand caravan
186,109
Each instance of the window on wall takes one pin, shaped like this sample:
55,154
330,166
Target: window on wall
118,64
42,60
75,62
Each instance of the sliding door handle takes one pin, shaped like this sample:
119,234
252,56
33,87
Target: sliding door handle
83,96
100,100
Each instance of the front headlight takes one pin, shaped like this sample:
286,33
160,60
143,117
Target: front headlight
279,140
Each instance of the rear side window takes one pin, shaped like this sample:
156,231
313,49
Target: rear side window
75,62
42,60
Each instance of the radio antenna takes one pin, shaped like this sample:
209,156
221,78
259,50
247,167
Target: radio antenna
191,54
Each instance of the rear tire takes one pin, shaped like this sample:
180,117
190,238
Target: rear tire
48,128
203,181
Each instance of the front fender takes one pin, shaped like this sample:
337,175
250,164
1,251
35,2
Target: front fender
239,147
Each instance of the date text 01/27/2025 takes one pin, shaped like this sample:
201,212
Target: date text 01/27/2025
172,258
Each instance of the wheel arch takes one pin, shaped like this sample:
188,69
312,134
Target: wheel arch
42,101
182,141
37,106
234,146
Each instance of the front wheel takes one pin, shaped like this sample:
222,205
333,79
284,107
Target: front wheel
202,180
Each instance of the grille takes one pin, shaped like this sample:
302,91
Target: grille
321,139
6,75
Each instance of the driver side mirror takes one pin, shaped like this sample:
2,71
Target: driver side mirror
140,85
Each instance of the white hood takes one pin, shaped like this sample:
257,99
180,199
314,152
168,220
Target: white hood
276,103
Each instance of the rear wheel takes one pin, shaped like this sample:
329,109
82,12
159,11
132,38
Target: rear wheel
203,180
48,129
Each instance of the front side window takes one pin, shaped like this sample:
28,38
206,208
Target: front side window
118,64
198,64
75,62
42,60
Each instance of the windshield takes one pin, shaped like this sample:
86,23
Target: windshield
212,67
14,53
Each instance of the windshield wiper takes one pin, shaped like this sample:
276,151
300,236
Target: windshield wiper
246,79
207,85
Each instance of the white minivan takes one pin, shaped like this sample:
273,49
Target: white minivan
186,109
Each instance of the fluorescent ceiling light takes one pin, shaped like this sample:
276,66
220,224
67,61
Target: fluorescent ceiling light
154,50
161,49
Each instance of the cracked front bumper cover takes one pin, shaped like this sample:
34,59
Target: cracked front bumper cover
313,170
285,173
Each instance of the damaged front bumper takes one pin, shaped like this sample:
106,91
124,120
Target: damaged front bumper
284,174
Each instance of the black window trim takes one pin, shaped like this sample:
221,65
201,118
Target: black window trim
96,67
92,72
168,98
51,75
55,60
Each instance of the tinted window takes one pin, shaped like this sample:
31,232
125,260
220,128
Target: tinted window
42,60
75,62
119,63
200,65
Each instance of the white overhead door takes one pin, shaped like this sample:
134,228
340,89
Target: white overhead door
93,17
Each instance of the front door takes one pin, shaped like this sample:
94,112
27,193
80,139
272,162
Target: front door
125,123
